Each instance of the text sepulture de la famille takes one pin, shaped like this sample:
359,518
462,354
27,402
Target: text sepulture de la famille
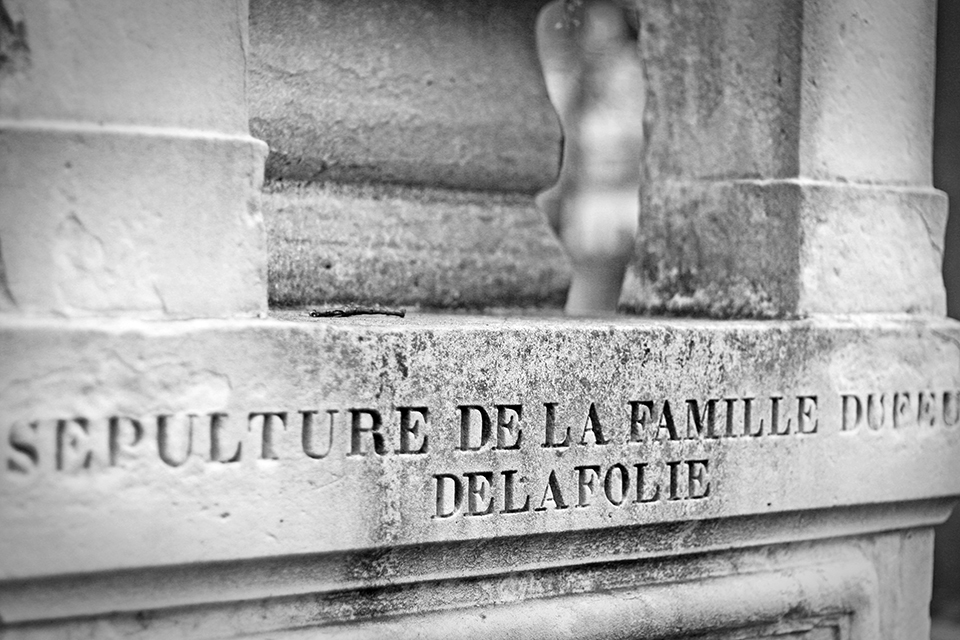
635,476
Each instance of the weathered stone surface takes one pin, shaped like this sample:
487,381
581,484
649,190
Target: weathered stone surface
332,244
787,248
788,150
839,570
179,479
128,182
130,220
723,84
820,89
438,94
453,476
175,63
100,474
740,93
867,91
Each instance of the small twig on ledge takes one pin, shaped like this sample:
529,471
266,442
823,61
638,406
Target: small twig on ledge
343,312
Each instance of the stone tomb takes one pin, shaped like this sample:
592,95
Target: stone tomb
502,473
176,462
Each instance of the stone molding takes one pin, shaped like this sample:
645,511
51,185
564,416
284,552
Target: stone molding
224,584
838,596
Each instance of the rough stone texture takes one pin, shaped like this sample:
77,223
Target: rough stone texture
118,221
867,91
748,102
175,63
596,585
430,93
723,82
128,182
765,121
215,478
14,51
332,244
817,89
143,370
787,248
117,521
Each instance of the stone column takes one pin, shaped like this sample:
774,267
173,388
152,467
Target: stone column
788,166
129,183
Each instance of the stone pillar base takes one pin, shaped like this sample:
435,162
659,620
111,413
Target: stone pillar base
126,220
787,248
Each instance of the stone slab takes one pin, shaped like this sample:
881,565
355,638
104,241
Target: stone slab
572,562
752,605
413,92
99,473
336,244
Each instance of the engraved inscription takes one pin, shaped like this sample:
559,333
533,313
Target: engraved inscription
492,459
899,410
479,493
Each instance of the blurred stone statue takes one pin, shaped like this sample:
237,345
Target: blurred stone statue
594,78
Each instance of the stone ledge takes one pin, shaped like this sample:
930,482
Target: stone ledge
838,597
644,548
99,438
786,588
432,248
